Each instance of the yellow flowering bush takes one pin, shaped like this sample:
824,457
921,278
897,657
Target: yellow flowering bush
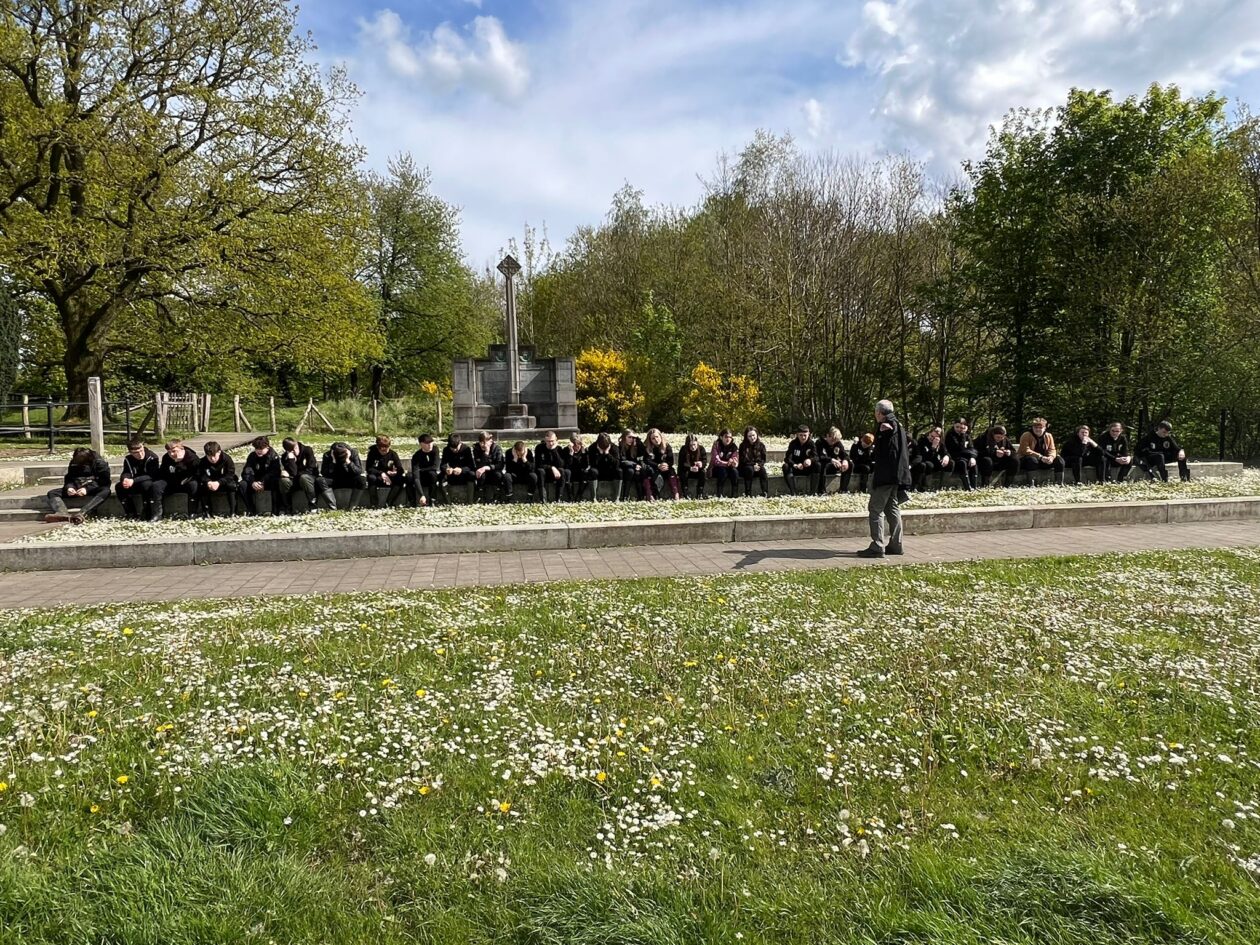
606,397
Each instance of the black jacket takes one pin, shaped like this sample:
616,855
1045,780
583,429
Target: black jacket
519,468
461,457
389,463
86,474
988,447
632,454
223,471
959,446
751,454
604,465
430,462
892,456
931,455
492,457
578,462
862,456
828,451
547,456
686,458
176,474
330,467
1155,445
148,467
1114,447
725,451
653,456
264,469
797,452
303,463
1074,448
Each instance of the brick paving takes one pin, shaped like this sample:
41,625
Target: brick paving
46,588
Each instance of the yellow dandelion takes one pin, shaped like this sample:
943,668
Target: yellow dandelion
386,683
122,779
656,782
92,713
504,807
302,693
601,777
95,809
127,631
421,693
4,786
425,790
339,694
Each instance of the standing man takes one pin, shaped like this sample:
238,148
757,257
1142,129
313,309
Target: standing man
891,477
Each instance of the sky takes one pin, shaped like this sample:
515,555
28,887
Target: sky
538,112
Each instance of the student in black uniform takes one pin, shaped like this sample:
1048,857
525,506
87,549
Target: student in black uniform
518,467
217,474
932,458
457,462
177,473
1079,451
343,469
489,466
552,466
300,484
1158,449
1117,462
384,470
997,456
692,462
87,477
834,468
633,466
426,472
724,458
605,462
660,476
752,463
578,465
799,461
862,456
140,470
260,473
963,455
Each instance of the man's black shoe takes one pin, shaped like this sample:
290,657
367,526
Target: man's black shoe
894,550
872,551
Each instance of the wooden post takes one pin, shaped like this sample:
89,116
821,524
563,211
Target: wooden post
26,416
236,413
438,399
159,415
319,413
205,426
271,413
310,405
375,417
96,416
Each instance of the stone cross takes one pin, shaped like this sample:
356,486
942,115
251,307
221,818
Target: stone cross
510,267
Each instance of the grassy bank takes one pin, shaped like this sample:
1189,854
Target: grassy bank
1043,751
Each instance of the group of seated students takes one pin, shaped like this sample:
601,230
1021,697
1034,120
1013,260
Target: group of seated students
630,467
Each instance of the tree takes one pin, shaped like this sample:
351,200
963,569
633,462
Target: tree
713,401
184,164
655,359
10,340
606,396
431,307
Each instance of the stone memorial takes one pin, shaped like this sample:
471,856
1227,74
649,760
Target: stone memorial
511,390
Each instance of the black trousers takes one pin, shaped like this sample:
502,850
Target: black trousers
428,482
804,478
724,474
162,488
142,488
398,484
920,470
1113,471
96,494
528,481
829,474
227,489
249,495
347,480
551,489
686,476
632,480
1090,458
310,487
494,482
863,471
1156,464
748,474
969,474
1007,466
1030,464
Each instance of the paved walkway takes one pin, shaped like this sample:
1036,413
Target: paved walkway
38,588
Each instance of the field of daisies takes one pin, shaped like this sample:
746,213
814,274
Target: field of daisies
476,516
1054,751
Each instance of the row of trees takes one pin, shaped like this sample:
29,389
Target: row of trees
1102,259
181,205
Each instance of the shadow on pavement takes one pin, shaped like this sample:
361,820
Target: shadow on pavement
751,558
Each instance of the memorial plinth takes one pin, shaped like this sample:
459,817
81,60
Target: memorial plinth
483,392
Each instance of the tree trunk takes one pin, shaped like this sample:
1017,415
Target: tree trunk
84,356
354,382
378,379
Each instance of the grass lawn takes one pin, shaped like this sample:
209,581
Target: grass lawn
1047,751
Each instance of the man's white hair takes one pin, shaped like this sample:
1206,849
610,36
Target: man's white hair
885,407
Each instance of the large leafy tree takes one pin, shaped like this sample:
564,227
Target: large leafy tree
431,307
176,173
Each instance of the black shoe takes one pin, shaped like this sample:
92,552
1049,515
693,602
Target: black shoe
894,550
872,551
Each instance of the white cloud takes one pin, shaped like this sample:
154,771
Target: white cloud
947,69
815,118
444,59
